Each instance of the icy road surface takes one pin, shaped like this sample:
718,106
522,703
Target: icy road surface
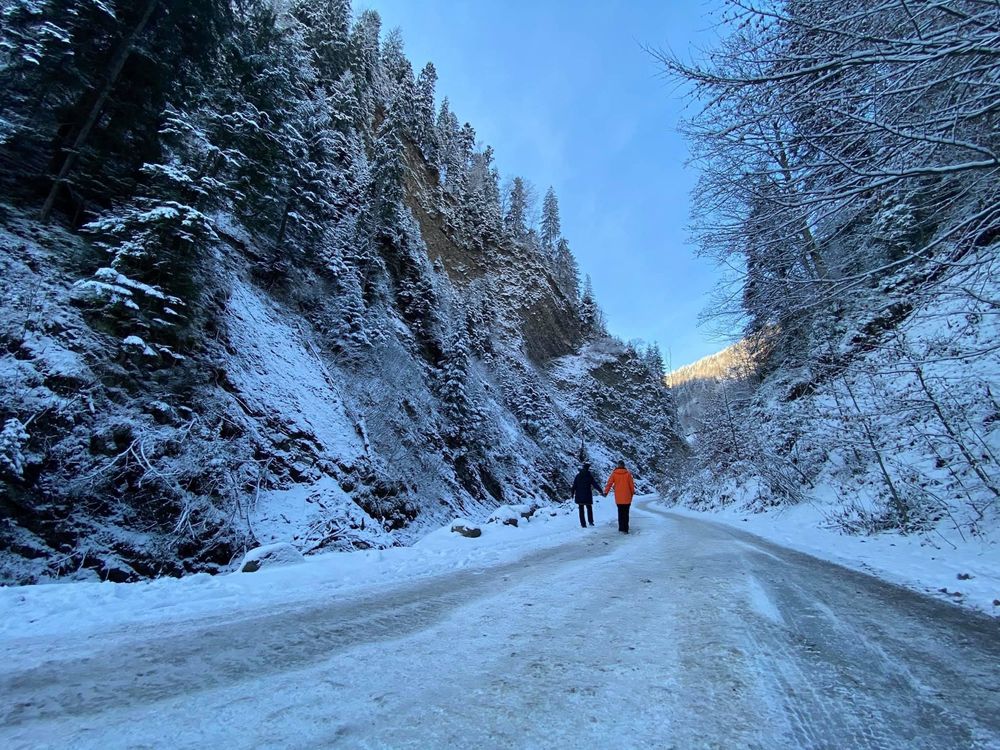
684,635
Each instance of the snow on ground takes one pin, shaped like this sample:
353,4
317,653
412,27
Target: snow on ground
685,634
77,608
964,571
924,564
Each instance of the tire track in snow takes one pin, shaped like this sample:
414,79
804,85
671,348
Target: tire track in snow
866,662
666,639
226,652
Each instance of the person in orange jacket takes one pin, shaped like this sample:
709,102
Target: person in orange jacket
624,486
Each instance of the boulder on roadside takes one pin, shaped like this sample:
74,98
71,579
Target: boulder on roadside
509,515
466,528
270,555
527,510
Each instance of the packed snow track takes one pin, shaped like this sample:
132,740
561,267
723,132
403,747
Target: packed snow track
684,635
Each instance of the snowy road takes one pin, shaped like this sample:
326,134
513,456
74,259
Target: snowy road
685,635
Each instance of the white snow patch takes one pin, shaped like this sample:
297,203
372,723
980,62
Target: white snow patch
269,555
313,516
761,603
277,375
64,609
936,564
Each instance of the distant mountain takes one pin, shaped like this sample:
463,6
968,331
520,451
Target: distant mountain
697,387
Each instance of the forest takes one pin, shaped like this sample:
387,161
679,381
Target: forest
849,192
314,431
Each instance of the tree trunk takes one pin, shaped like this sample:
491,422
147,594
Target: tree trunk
898,503
810,260
114,70
280,240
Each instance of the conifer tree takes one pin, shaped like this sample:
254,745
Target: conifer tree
393,62
653,358
387,172
591,316
515,221
363,54
446,129
463,416
551,228
425,132
78,107
566,270
327,36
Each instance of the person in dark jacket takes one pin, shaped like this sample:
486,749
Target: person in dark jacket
583,492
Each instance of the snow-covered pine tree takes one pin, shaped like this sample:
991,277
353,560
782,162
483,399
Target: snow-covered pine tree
653,358
153,246
91,163
37,40
395,65
479,220
345,107
363,54
551,230
516,218
327,26
566,271
387,173
479,325
463,416
446,128
425,131
457,159
591,316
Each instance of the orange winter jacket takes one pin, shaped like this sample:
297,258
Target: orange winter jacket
624,486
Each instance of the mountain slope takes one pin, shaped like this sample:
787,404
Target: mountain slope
305,316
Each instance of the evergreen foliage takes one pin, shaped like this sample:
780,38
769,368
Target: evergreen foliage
591,315
551,228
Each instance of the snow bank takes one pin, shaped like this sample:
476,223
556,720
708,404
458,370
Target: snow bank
962,571
63,609
270,555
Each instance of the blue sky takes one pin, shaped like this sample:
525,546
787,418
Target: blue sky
565,94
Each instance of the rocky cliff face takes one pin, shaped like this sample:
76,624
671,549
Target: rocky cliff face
278,296
133,461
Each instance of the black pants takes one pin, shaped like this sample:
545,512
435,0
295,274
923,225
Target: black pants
590,513
623,517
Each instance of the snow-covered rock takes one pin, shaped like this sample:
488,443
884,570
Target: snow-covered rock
512,515
270,555
136,345
467,528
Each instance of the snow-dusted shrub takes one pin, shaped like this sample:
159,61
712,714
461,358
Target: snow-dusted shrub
13,438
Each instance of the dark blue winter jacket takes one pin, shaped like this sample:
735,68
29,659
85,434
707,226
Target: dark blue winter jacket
583,487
